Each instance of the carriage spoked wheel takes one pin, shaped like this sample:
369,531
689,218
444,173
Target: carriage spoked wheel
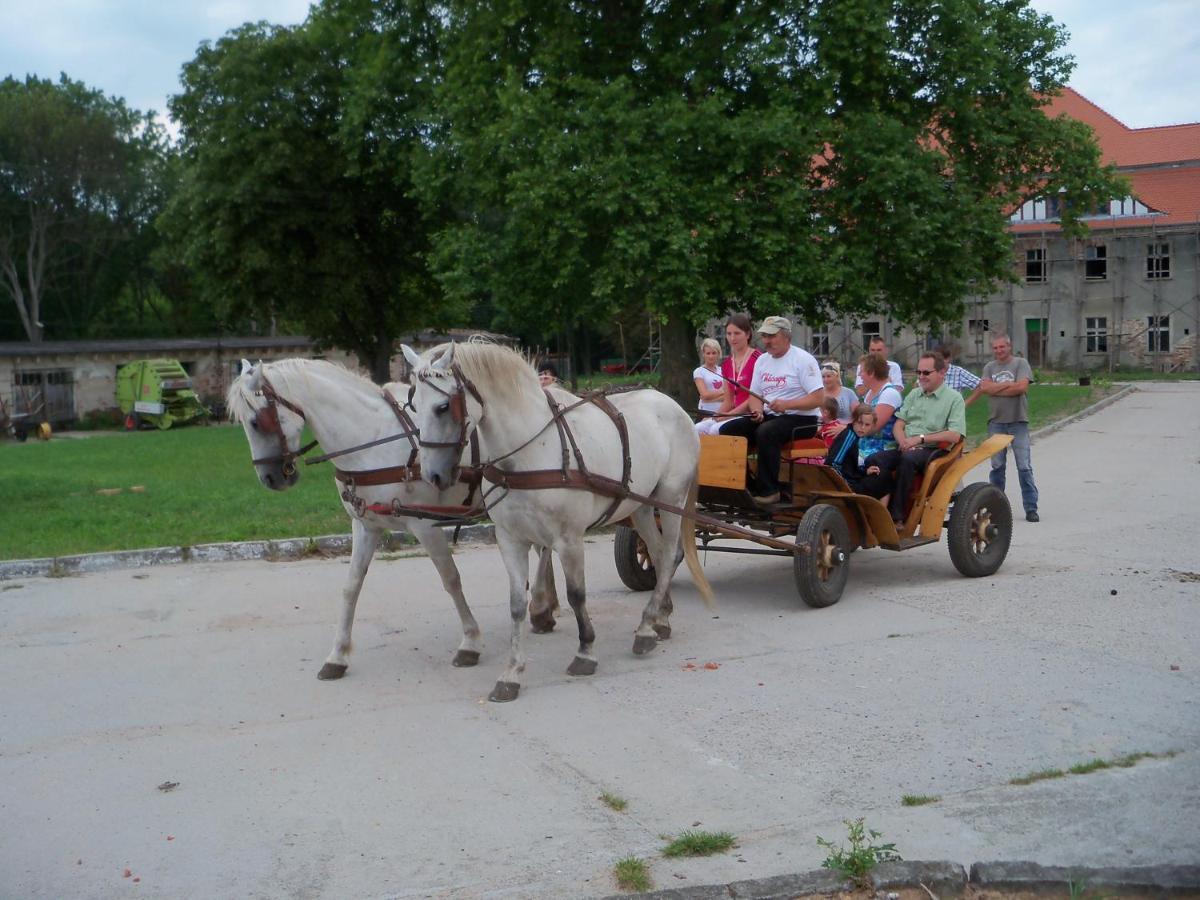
821,568
633,560
980,530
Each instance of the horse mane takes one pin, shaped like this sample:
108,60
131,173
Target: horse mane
507,373
239,407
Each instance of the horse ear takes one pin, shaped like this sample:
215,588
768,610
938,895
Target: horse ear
247,367
443,362
410,356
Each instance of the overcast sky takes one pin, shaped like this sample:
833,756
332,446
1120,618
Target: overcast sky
1138,60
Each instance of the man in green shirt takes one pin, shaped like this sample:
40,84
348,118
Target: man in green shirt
932,414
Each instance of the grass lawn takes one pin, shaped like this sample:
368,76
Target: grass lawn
200,487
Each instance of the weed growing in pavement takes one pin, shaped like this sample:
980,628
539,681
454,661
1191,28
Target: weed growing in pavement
699,843
863,855
612,801
632,874
1095,765
1042,775
919,799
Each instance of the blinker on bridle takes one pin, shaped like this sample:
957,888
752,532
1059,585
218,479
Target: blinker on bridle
267,421
457,400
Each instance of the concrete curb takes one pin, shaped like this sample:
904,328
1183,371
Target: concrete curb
231,551
1157,881
949,879
296,548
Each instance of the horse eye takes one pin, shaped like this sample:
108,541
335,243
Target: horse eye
442,408
254,424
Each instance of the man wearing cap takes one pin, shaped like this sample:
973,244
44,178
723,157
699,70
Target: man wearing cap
788,379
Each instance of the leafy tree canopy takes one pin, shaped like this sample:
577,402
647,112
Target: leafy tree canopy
79,187
824,156
295,195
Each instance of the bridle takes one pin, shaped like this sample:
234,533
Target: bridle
457,400
266,420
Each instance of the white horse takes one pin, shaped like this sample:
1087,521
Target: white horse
495,392
272,402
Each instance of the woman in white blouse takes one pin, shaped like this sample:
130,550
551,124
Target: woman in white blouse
709,383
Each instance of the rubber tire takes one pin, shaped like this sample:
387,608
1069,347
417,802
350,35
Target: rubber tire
821,519
20,434
133,422
972,500
634,574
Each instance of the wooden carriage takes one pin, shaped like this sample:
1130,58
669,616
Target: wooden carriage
825,521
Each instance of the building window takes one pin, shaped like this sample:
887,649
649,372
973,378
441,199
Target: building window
1158,260
1095,262
818,344
1096,334
1158,334
978,326
1035,265
870,330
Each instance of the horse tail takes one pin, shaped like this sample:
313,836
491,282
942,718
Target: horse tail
687,536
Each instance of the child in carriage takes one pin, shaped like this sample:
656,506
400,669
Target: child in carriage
863,475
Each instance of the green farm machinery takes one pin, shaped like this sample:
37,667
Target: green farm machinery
157,392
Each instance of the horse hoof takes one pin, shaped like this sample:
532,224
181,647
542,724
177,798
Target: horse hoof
465,658
581,666
331,672
504,691
643,644
663,632
542,626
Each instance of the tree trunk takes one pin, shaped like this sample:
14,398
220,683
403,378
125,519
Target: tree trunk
678,341
376,358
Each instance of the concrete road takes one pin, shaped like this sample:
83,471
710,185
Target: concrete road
402,781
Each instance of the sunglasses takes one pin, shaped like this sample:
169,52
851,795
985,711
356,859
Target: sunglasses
926,371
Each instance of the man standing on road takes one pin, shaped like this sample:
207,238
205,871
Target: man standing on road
877,346
789,380
932,414
1006,384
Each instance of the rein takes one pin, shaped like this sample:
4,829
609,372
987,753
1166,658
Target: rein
268,420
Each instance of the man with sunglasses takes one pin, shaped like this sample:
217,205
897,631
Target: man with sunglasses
932,414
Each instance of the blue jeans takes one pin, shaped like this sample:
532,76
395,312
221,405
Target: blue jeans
1020,449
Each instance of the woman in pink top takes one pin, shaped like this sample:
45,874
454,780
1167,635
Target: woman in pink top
738,370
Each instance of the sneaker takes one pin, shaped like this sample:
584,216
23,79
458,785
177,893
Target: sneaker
1032,516
766,499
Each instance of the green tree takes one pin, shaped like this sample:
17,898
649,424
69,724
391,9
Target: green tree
295,196
77,189
826,157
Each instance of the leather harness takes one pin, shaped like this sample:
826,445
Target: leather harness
267,420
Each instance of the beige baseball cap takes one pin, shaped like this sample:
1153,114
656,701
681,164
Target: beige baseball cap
774,325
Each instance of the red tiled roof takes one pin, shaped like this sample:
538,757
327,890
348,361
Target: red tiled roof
1126,146
1173,190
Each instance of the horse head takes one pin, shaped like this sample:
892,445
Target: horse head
446,410
273,426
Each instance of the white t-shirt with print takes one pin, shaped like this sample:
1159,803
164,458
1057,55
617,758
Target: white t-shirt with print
714,382
793,375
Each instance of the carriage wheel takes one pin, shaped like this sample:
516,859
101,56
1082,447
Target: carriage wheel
821,569
980,530
634,566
